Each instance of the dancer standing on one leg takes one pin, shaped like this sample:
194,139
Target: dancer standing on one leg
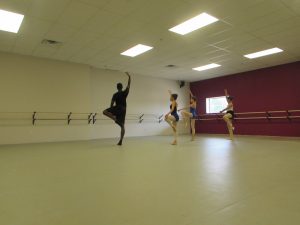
190,115
172,116
117,110
229,115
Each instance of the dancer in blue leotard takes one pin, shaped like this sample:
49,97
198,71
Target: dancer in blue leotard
191,114
172,116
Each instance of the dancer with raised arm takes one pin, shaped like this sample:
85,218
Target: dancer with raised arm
172,116
117,110
191,114
229,115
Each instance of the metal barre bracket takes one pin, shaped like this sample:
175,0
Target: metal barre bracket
33,118
94,118
268,115
288,115
69,118
141,118
90,118
160,118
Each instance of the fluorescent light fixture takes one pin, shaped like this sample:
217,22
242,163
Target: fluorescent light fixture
136,50
207,67
10,21
263,53
193,24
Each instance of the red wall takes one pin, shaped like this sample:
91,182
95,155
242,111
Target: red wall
274,88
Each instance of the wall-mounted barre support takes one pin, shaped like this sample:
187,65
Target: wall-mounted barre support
94,118
90,118
141,118
33,118
288,115
69,118
160,118
268,115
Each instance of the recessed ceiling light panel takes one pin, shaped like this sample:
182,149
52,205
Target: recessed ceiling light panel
263,53
137,50
194,23
10,21
207,67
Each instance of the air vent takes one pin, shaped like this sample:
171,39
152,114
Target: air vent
171,66
51,42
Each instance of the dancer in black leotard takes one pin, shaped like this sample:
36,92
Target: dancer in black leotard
117,110
172,116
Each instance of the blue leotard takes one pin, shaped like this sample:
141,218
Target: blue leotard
193,111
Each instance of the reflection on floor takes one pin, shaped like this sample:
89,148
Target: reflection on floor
212,181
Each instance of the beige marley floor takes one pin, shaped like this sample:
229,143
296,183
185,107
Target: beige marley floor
254,181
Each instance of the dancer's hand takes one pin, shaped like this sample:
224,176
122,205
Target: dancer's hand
166,116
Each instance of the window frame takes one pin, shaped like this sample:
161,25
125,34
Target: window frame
208,107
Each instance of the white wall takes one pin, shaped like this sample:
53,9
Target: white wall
30,84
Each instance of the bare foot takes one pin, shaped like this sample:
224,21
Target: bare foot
174,143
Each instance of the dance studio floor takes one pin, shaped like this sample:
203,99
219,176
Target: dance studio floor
212,181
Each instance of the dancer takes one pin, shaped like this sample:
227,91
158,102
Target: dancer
117,110
172,117
190,115
229,115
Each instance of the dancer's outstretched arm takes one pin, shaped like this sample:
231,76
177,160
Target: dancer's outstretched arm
226,92
187,107
129,80
229,104
191,94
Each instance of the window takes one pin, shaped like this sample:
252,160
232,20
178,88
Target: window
216,104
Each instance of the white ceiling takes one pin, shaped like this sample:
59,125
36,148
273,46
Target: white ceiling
95,32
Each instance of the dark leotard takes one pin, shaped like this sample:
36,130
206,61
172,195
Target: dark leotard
119,110
231,112
174,113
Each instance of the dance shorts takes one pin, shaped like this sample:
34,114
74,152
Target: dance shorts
231,112
119,113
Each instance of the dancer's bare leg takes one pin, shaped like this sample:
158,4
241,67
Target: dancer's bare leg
193,121
122,134
173,123
186,116
109,115
227,118
175,133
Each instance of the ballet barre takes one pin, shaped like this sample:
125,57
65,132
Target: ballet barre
266,115
90,118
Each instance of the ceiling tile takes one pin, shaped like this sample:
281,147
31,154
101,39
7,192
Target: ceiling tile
60,33
7,41
48,9
77,14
